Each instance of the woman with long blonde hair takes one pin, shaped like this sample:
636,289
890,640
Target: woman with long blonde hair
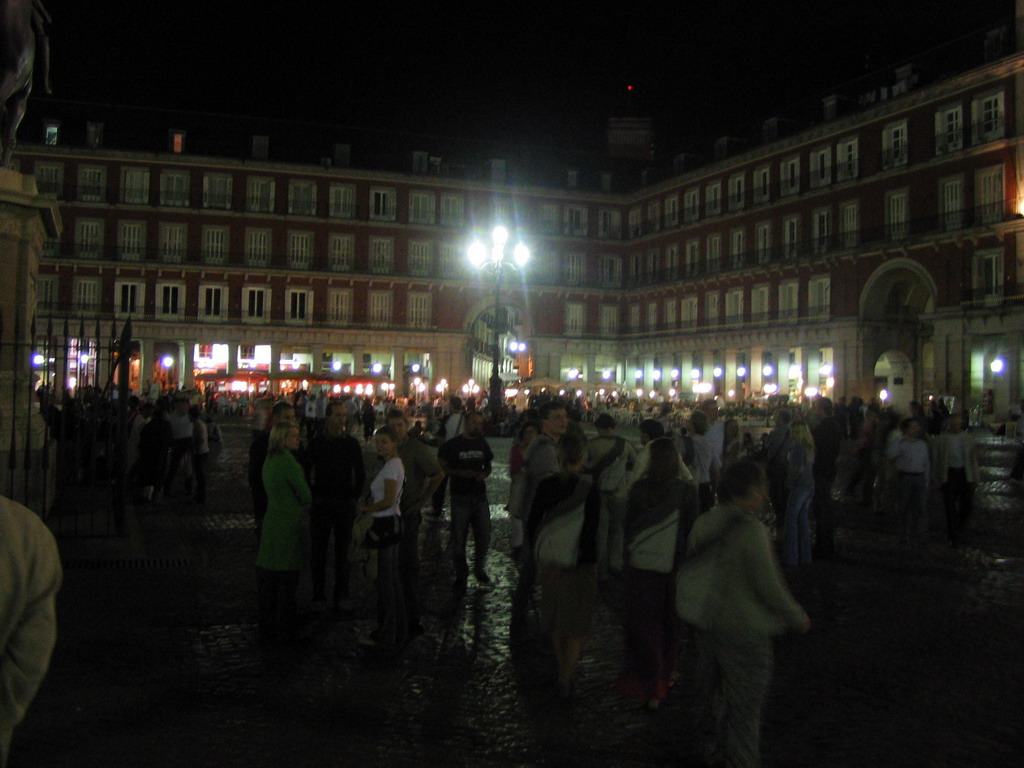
800,483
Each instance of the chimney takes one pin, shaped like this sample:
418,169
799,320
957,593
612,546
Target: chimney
775,128
725,146
496,170
342,155
420,161
834,106
684,162
260,147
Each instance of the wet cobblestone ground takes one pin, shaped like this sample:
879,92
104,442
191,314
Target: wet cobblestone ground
914,658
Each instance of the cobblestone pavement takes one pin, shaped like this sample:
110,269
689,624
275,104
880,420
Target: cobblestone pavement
913,659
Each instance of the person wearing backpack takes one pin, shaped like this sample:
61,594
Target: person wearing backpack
611,460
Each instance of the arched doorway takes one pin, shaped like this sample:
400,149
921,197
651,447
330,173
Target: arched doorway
894,375
508,321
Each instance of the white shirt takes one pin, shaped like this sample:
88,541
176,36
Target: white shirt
393,469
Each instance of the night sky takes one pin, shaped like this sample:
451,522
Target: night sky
516,72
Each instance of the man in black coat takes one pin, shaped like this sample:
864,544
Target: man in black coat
828,441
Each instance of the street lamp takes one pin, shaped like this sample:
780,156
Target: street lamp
497,259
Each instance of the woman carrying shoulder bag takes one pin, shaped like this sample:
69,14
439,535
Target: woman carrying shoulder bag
660,510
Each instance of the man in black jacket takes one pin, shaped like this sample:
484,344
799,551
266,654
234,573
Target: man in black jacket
337,474
828,441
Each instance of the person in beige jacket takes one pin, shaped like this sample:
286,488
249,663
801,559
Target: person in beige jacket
30,575
955,469
752,603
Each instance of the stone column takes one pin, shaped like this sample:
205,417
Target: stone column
398,371
232,364
188,350
316,352
357,361
26,220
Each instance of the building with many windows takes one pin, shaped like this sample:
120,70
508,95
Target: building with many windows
878,245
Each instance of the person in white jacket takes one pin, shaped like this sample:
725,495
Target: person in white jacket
752,603
30,575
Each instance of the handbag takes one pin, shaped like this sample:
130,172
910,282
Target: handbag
697,583
384,532
558,539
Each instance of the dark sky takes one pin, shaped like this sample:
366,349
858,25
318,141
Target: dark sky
544,73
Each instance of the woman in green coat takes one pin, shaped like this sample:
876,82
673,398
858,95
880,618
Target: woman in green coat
280,555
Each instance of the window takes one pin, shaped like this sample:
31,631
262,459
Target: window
452,210
51,133
763,237
92,183
87,295
737,245
215,245
573,319
672,211
688,311
576,220
135,186
691,205
172,243
653,216
987,115
819,297
300,250
168,300
737,191
131,240
821,167
450,260
340,252
691,257
421,207
894,145
762,183
302,197
989,193
575,268
211,302
670,314
791,237
611,271
636,222
672,261
949,129
299,305
46,292
49,178
849,218
382,204
896,214
421,257
951,198
342,201
176,141
734,306
382,255
789,175
821,229
380,307
255,304
846,159
128,298
714,253
609,223
652,266
217,191
89,238
174,188
634,318
788,300
759,309
259,194
652,316
988,274
609,319
713,199
257,247
418,309
711,309
547,218
339,306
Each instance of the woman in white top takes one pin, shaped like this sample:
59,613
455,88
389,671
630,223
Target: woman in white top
385,495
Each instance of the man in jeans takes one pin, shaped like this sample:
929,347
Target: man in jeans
611,458
338,475
423,475
466,459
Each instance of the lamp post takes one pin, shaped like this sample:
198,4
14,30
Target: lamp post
497,259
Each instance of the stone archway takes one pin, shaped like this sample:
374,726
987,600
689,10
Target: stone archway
895,298
479,327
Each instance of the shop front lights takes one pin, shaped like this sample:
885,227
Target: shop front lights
825,370
695,374
741,371
767,370
638,374
997,365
